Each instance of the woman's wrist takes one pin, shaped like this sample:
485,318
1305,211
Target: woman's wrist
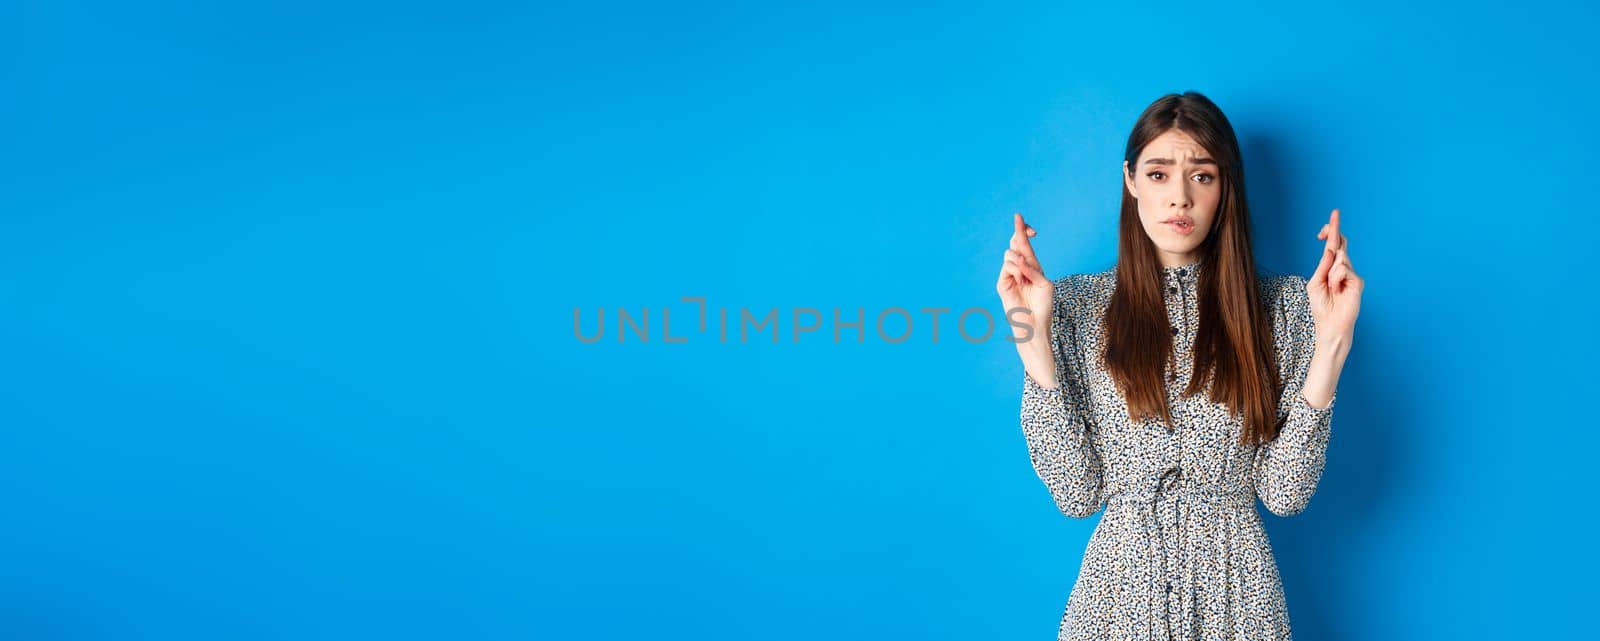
1334,346
1041,367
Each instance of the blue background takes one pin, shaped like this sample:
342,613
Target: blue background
288,297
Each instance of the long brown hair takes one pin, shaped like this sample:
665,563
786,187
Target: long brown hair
1233,347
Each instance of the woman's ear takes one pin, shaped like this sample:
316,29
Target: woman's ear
1127,179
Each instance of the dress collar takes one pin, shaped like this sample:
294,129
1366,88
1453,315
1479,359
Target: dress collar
1187,273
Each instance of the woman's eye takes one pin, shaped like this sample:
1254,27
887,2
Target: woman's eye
1208,178
1153,175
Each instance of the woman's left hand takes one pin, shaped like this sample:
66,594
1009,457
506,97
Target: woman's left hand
1335,288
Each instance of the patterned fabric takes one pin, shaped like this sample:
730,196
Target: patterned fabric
1180,552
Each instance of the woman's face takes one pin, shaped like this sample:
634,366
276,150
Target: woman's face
1175,179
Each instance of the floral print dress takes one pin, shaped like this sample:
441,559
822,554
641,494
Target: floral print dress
1180,552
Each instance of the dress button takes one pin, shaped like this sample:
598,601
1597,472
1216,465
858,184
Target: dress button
1172,290
1174,330
1180,271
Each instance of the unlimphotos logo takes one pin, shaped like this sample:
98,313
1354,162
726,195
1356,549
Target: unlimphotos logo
802,320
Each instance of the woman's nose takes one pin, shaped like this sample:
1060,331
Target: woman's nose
1180,197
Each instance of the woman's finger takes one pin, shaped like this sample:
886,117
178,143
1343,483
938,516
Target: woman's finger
1006,283
1014,257
1025,248
1006,270
1015,271
1034,273
1320,274
1018,231
1025,270
1008,276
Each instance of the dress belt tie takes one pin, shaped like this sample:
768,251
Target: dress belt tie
1173,487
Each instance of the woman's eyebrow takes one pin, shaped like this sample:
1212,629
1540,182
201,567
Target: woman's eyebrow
1168,161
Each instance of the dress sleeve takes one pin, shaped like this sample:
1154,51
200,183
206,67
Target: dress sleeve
1288,468
1056,422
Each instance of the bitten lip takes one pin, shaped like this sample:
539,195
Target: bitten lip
1179,218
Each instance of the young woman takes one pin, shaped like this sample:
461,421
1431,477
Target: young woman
1177,387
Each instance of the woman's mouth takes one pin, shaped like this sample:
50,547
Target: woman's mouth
1183,228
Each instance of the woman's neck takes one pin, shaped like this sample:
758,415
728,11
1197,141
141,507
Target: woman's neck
1169,261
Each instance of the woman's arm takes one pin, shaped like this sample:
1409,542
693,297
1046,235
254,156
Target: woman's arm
1056,421
1322,377
1334,296
1288,468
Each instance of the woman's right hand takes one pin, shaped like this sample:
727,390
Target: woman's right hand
1023,284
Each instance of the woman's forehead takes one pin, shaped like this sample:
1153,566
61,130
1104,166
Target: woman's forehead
1172,147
